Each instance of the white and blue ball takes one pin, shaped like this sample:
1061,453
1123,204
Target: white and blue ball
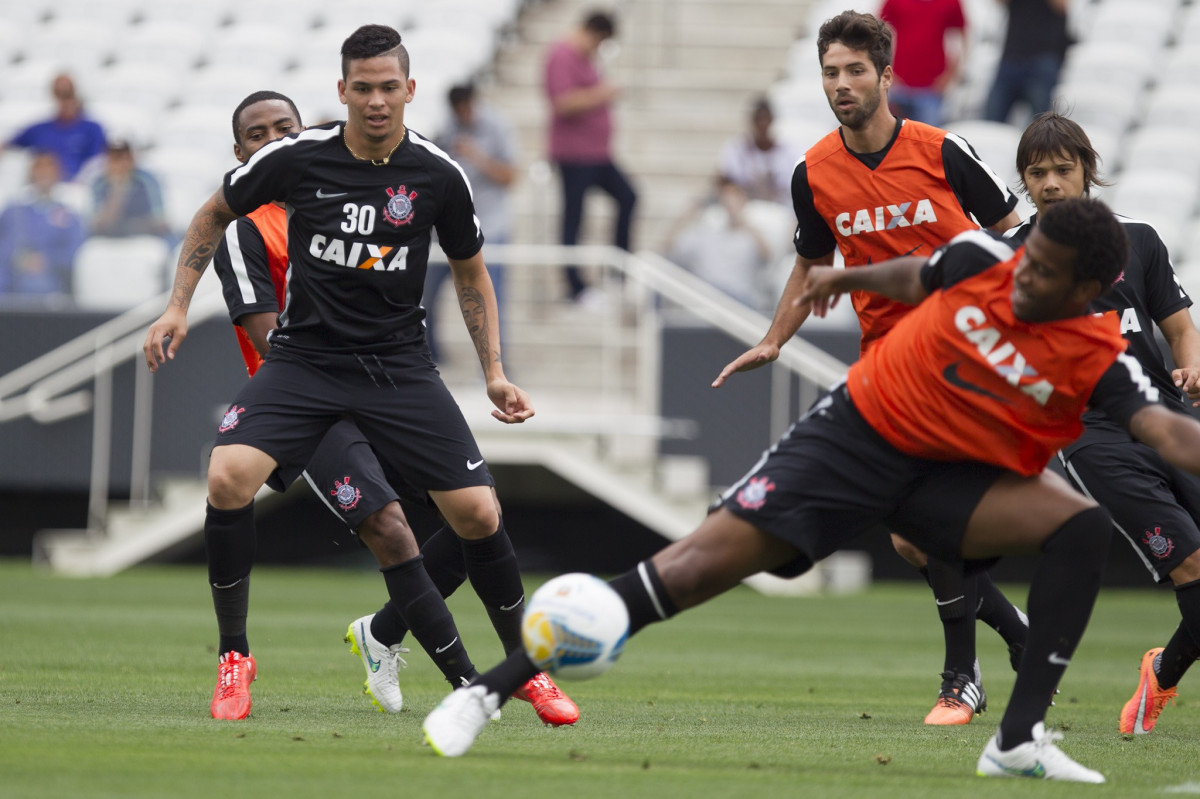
575,626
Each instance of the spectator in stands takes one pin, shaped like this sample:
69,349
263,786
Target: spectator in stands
718,242
39,235
923,64
483,144
758,162
126,200
581,135
1035,44
70,135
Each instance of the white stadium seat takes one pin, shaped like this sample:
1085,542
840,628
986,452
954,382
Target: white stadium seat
114,274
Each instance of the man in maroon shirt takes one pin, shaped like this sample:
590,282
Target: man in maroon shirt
581,134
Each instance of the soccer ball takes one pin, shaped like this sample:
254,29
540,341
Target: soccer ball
575,627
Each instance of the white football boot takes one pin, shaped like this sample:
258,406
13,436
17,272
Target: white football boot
1039,759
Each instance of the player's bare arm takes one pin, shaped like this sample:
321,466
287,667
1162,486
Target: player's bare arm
1184,340
790,313
1175,436
899,279
199,244
257,327
477,301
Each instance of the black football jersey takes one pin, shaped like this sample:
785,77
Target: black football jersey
1145,293
358,236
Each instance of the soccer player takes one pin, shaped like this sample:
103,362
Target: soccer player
942,432
344,473
876,188
362,199
1154,505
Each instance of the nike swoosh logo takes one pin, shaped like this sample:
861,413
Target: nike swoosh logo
910,252
1057,660
514,605
473,466
442,649
323,196
950,373
942,604
1038,769
372,663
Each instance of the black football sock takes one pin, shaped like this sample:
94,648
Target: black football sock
997,612
1184,647
444,564
644,595
424,611
229,541
954,594
1062,593
512,672
492,568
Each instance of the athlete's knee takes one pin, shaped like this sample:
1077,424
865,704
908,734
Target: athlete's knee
907,550
1188,571
386,524
232,480
471,513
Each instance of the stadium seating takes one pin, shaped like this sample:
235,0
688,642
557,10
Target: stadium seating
113,274
168,75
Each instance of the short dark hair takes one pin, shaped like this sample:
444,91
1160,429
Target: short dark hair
601,24
371,41
1050,134
1091,228
258,97
461,93
858,32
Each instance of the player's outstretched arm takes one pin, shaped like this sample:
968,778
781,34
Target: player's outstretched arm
199,243
1175,436
1184,340
789,315
899,279
477,301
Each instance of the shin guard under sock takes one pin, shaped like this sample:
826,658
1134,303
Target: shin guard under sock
491,566
229,542
644,595
443,560
1062,593
994,610
954,594
1184,647
424,611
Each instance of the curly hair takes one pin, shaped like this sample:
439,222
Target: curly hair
1097,236
858,32
372,41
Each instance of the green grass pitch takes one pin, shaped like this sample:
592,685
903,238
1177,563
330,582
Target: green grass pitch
105,685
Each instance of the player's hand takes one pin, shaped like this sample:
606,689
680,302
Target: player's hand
820,290
513,404
1188,379
750,359
171,325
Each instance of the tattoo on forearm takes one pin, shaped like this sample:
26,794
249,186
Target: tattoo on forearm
474,311
197,250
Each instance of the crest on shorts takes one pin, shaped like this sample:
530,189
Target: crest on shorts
399,208
230,419
754,495
1159,545
347,495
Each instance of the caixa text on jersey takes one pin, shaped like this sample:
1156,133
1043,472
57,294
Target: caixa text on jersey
358,254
